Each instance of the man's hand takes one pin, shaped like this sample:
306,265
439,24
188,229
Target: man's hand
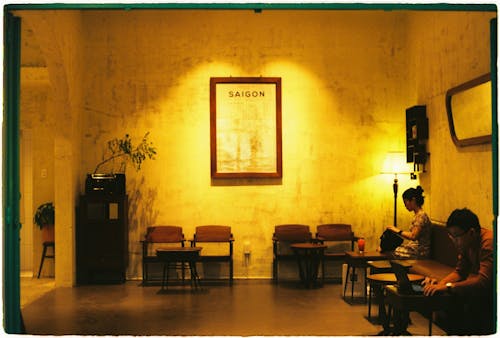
429,281
431,289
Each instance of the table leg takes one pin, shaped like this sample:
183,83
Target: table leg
346,278
352,282
370,303
430,323
194,274
168,268
364,291
163,276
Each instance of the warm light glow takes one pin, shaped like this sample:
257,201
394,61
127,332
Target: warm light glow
395,163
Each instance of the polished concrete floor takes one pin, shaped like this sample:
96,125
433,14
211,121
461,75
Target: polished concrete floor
248,308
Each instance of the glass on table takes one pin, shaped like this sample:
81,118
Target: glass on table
361,245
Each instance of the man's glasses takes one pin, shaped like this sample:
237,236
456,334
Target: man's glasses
455,236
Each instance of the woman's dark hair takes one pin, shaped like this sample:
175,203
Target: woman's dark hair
415,193
463,219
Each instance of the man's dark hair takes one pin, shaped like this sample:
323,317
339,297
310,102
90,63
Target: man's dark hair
463,219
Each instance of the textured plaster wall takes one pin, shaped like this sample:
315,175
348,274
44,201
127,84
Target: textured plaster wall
37,126
345,88
450,49
59,36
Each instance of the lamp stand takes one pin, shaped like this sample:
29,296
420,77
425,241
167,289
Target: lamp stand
395,189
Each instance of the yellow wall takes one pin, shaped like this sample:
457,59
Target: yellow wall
451,49
348,77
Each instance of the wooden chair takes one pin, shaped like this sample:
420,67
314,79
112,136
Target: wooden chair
215,234
166,235
336,237
284,235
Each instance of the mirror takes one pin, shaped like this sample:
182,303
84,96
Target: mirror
469,112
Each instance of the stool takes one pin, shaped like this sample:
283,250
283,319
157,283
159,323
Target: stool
45,255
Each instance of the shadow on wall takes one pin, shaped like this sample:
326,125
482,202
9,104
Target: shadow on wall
139,219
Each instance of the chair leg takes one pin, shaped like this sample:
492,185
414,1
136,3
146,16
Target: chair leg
43,258
275,271
44,254
231,272
323,271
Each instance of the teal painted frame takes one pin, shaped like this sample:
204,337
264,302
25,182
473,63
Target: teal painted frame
11,194
494,151
11,281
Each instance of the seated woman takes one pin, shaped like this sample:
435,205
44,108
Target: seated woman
419,234
417,246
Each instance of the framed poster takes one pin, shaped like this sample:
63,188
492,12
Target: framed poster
245,127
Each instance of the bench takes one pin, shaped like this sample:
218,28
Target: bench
443,256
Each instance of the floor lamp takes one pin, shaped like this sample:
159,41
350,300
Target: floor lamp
394,164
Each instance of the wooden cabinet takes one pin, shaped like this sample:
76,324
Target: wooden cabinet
102,239
417,133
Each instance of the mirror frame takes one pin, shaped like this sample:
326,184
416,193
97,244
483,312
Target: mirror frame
483,139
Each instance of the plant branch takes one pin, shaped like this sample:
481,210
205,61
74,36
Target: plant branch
107,160
123,147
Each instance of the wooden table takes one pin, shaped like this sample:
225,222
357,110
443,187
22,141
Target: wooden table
309,256
179,256
355,260
421,303
379,280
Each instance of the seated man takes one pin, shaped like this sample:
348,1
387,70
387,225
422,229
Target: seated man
472,281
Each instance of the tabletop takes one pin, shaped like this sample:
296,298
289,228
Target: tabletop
391,277
366,255
385,264
178,253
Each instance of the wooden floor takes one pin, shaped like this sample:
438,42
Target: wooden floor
248,308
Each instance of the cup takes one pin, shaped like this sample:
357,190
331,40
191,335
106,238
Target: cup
361,245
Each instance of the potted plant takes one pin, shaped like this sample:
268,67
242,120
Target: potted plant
123,148
119,148
45,219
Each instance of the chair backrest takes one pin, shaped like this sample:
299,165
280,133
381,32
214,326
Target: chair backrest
335,232
164,234
292,233
442,248
213,233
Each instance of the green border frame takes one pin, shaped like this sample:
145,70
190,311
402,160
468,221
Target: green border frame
262,6
11,194
11,256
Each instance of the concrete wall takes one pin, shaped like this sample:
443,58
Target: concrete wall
59,36
348,77
345,87
451,49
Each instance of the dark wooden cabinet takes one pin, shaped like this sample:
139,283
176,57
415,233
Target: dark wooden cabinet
102,239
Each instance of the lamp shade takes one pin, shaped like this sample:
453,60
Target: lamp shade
395,163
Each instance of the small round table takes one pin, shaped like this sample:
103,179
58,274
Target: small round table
380,280
309,256
179,255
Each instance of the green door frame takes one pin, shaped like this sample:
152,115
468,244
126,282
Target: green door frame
11,194
494,149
